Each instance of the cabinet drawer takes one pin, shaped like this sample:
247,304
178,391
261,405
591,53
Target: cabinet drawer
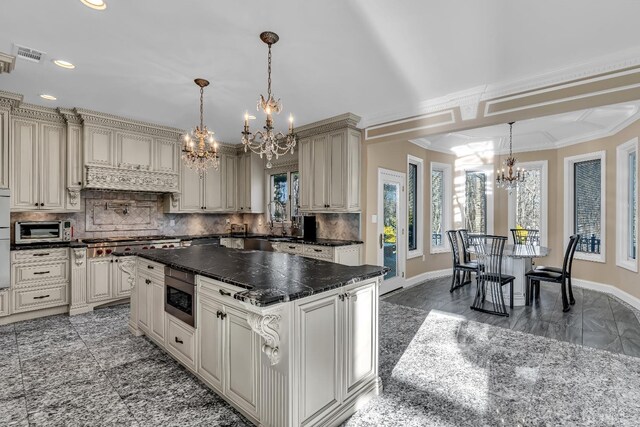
39,255
34,299
219,291
180,341
4,303
320,252
30,274
289,248
150,268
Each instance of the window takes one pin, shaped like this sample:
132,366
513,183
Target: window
627,205
585,204
475,191
441,202
284,195
528,203
415,207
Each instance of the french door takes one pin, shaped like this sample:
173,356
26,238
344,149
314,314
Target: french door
391,228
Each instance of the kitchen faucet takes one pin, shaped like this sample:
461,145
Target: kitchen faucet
276,204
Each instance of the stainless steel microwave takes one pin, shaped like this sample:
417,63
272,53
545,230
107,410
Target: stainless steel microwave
42,231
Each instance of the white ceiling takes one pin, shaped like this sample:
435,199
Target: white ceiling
138,58
541,133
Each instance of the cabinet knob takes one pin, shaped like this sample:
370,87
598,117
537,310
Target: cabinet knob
41,204
37,204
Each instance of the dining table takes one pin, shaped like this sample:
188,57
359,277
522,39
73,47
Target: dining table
516,261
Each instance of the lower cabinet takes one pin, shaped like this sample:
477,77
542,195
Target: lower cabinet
150,300
229,353
109,278
4,303
336,347
180,340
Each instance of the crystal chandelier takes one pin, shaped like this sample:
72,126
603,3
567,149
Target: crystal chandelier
200,150
267,142
510,179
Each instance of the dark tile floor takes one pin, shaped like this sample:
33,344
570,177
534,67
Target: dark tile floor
597,319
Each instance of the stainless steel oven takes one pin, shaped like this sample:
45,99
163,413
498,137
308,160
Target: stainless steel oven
42,231
180,295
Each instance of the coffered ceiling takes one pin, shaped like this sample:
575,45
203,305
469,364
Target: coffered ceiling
138,58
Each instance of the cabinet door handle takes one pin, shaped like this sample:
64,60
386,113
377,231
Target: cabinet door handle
222,316
292,247
179,341
41,272
42,297
224,293
218,313
147,281
150,267
341,297
318,250
42,254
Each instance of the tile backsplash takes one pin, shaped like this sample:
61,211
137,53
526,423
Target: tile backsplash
117,213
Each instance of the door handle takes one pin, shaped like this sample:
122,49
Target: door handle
41,272
41,254
150,267
381,240
42,296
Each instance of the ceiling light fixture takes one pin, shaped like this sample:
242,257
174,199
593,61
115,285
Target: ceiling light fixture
511,179
64,64
95,4
267,142
48,97
202,153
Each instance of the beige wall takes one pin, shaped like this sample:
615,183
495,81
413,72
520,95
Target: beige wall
393,155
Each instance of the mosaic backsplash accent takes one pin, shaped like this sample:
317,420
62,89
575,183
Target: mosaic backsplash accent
145,209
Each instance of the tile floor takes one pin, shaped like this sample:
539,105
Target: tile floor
596,320
89,370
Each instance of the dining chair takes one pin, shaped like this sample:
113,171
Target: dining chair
489,276
526,236
459,267
466,255
554,275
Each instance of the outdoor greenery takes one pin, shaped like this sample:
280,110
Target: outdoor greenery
528,201
437,205
476,202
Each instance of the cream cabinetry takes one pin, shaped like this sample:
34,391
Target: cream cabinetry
330,165
210,192
38,159
109,278
337,350
228,348
39,279
250,183
347,255
180,340
4,147
150,305
4,303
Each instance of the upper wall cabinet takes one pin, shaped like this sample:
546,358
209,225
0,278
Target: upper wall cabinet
38,165
330,165
250,183
122,154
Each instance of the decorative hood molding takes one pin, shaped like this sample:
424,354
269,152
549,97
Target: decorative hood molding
110,178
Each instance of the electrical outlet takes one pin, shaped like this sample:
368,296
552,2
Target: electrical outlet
260,222
172,222
227,221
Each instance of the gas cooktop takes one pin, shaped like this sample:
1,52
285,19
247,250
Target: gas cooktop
128,239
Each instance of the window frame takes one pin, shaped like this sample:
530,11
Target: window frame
623,151
488,170
289,170
419,251
543,165
447,206
569,208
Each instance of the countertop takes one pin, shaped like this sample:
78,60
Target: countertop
50,245
268,277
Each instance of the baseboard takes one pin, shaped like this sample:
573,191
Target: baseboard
30,315
609,289
429,275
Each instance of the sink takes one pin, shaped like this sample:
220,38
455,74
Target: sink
283,238
260,244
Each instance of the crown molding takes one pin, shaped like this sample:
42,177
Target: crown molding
96,118
7,63
70,116
10,99
37,112
346,120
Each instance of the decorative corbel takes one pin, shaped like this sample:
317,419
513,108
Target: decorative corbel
267,327
175,199
74,195
79,255
129,266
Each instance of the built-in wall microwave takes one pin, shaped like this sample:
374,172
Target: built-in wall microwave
42,231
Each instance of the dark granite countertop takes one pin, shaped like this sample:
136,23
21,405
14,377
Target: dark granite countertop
268,277
49,245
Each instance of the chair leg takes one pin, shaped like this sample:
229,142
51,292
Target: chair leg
537,289
565,303
453,280
526,292
511,294
572,301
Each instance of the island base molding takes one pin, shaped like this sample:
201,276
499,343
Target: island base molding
30,315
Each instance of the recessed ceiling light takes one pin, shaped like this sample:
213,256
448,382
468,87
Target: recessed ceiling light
251,117
48,97
64,64
95,4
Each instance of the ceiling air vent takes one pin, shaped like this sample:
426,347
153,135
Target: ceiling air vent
28,53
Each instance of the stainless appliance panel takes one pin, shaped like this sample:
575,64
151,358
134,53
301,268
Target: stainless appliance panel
180,296
42,231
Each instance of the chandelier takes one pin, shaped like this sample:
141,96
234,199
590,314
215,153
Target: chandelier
267,142
511,178
200,150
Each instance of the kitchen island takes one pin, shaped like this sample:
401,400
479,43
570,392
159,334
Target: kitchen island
287,340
